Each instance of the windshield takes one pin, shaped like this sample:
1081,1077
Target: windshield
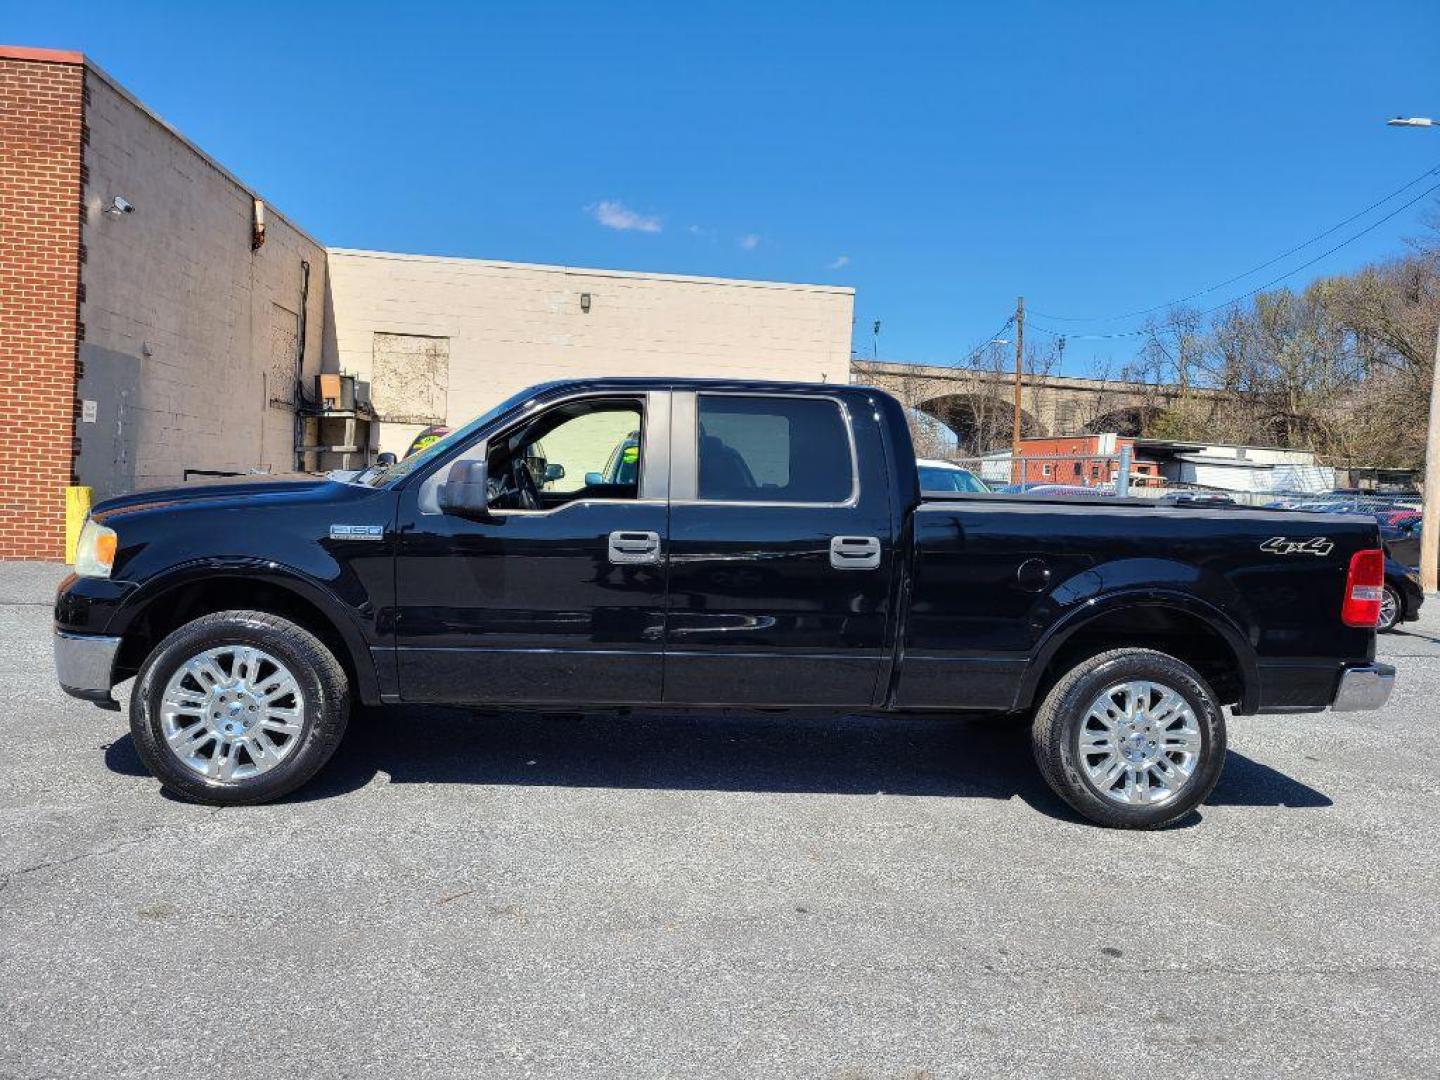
441,447
935,478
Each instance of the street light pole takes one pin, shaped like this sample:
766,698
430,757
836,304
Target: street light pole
1430,510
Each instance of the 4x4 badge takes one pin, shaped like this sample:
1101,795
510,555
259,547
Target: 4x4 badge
1283,545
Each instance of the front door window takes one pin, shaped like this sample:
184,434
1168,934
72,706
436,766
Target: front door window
582,450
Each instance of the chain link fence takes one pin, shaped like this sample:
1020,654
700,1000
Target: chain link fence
1118,474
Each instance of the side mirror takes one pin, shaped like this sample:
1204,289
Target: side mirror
465,492
553,472
385,460
594,479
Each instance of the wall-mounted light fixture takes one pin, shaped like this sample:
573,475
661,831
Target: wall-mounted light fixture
119,207
585,302
257,224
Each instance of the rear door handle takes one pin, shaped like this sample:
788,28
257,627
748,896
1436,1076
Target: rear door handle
630,548
855,552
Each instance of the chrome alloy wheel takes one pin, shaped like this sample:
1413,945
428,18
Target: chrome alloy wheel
1139,743
232,712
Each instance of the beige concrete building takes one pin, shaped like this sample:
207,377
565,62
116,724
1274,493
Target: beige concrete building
199,327
440,340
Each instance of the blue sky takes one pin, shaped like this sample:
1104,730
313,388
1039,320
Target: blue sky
941,158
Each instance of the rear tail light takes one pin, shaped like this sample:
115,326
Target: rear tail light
1364,588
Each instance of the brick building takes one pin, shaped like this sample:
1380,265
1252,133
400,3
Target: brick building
41,138
1086,460
158,319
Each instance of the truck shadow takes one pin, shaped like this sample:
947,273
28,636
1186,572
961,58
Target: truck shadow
1416,634
724,751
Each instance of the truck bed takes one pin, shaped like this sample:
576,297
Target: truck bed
998,581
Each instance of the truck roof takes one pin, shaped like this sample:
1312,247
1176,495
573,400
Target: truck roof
635,382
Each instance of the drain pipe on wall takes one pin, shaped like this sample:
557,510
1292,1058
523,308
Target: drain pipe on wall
299,395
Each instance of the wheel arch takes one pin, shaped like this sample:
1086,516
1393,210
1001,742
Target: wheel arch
1179,624
166,603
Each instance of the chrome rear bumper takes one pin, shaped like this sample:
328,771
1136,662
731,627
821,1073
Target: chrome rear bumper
84,663
1363,688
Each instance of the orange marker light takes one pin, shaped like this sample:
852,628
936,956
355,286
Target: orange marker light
105,549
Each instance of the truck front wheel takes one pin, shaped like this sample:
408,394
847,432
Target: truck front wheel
1130,738
238,707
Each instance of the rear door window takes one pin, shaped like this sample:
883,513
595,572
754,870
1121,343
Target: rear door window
773,449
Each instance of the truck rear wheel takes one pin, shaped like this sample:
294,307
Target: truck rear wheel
238,707
1130,738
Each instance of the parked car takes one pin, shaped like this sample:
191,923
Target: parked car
427,437
1403,596
1324,502
1396,518
773,549
936,475
1056,490
1369,501
1403,541
1194,498
623,464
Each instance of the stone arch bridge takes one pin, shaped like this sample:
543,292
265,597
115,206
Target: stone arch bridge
978,406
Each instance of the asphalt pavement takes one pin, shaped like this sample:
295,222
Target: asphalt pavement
462,895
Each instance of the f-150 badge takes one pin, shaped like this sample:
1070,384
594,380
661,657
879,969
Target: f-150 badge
1283,545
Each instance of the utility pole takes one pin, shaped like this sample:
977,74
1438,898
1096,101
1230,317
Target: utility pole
1018,467
1430,510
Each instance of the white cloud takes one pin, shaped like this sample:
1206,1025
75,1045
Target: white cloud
616,215
840,262
750,241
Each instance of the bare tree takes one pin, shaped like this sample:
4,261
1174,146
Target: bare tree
1342,367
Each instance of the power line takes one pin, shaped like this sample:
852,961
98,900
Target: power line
1259,288
1254,269
975,351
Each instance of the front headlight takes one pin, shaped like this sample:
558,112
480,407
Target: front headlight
95,550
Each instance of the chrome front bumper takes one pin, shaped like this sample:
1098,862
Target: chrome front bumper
1363,688
84,663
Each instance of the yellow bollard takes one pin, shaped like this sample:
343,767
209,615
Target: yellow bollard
77,509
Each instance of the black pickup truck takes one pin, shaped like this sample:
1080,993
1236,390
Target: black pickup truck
769,548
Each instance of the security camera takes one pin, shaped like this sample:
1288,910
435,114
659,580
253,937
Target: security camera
119,205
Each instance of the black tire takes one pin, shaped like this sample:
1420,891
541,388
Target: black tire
320,677
1398,608
1055,735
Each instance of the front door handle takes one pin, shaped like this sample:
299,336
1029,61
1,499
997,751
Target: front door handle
855,552
631,548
